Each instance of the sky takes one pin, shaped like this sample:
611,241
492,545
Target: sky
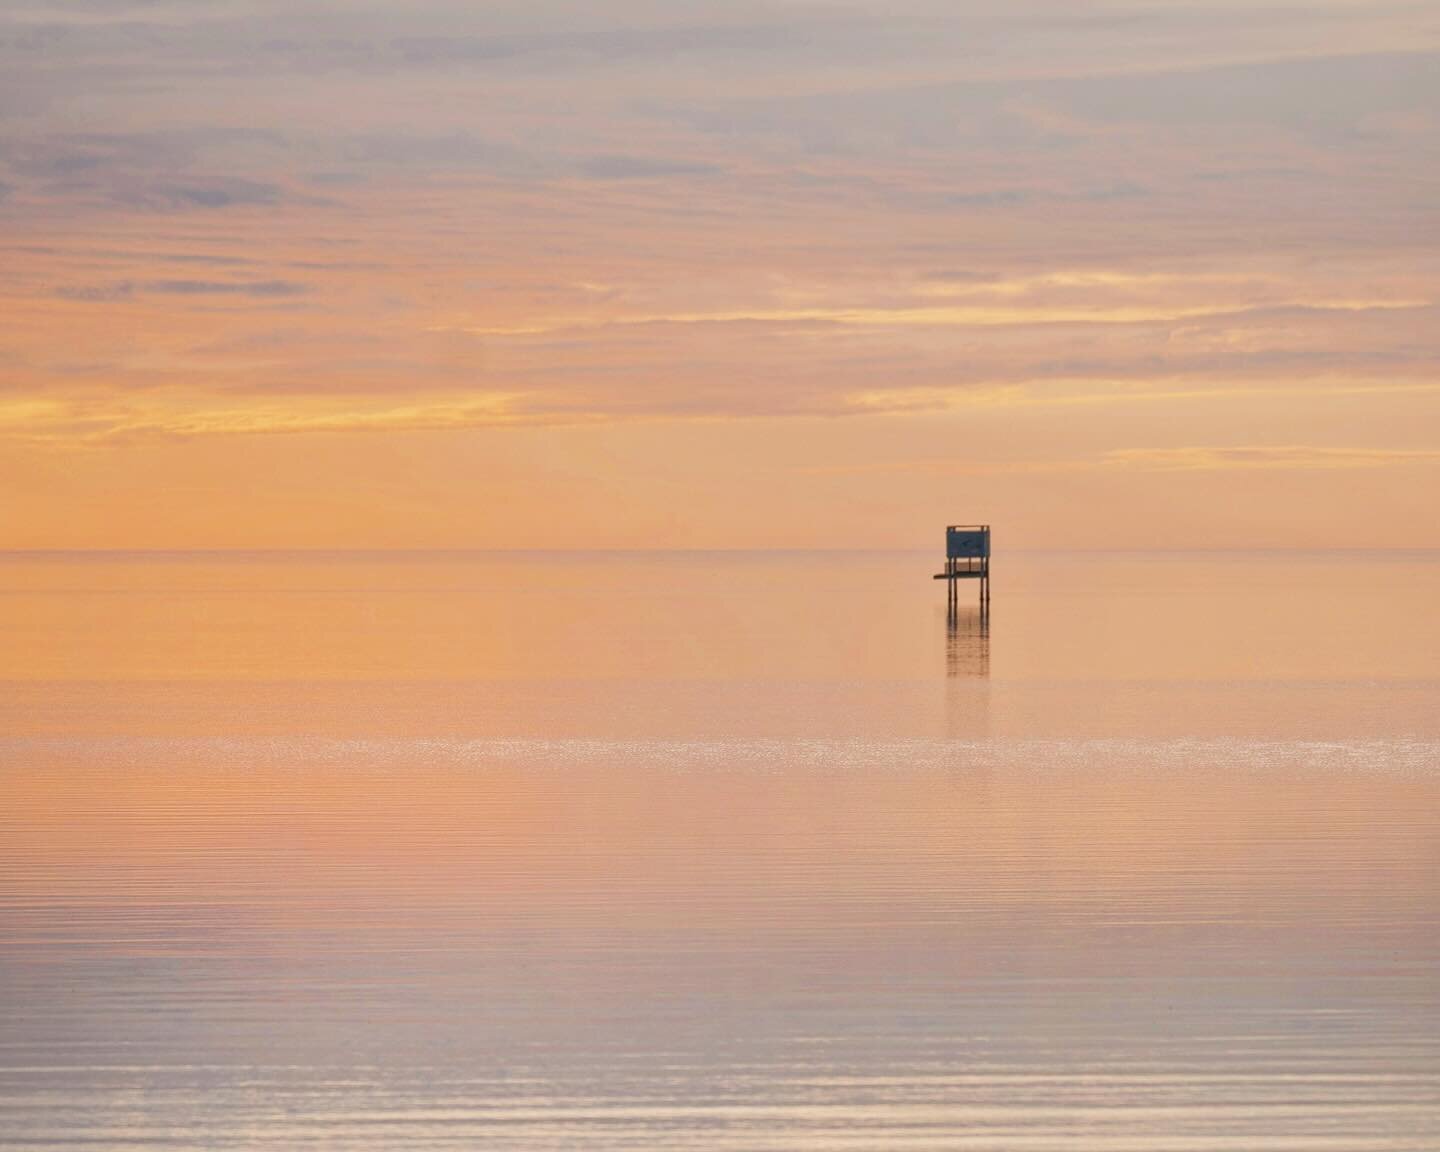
751,273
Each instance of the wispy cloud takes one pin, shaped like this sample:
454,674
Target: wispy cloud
921,316
1075,226
1191,458
125,289
641,168
170,417
1286,457
1113,394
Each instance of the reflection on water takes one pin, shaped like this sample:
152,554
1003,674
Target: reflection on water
300,854
967,641
711,616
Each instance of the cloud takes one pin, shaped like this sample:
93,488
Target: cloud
212,194
96,293
921,315
641,168
1112,393
1287,457
171,170
1021,197
1328,95
144,192
128,289
174,417
256,288
1140,203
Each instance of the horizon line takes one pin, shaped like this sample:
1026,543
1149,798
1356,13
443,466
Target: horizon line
437,550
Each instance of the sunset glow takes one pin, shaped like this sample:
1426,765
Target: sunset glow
768,273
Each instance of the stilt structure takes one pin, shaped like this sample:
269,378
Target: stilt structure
967,557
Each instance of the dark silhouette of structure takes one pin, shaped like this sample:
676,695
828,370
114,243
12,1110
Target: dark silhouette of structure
967,557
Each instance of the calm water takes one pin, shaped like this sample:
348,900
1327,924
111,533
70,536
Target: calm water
731,851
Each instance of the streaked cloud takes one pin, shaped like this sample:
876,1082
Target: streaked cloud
125,289
169,417
938,317
1287,457
1189,458
1079,229
1110,394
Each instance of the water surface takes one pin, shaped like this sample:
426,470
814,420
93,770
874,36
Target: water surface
719,851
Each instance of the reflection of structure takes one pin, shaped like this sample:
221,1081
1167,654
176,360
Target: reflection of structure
967,557
967,641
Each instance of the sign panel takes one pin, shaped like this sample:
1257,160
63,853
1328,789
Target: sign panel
966,543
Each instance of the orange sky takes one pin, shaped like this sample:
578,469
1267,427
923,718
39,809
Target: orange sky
778,273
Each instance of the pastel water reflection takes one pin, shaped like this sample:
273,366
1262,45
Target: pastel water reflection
752,853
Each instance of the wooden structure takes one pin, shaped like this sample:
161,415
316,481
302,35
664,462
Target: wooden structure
967,557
